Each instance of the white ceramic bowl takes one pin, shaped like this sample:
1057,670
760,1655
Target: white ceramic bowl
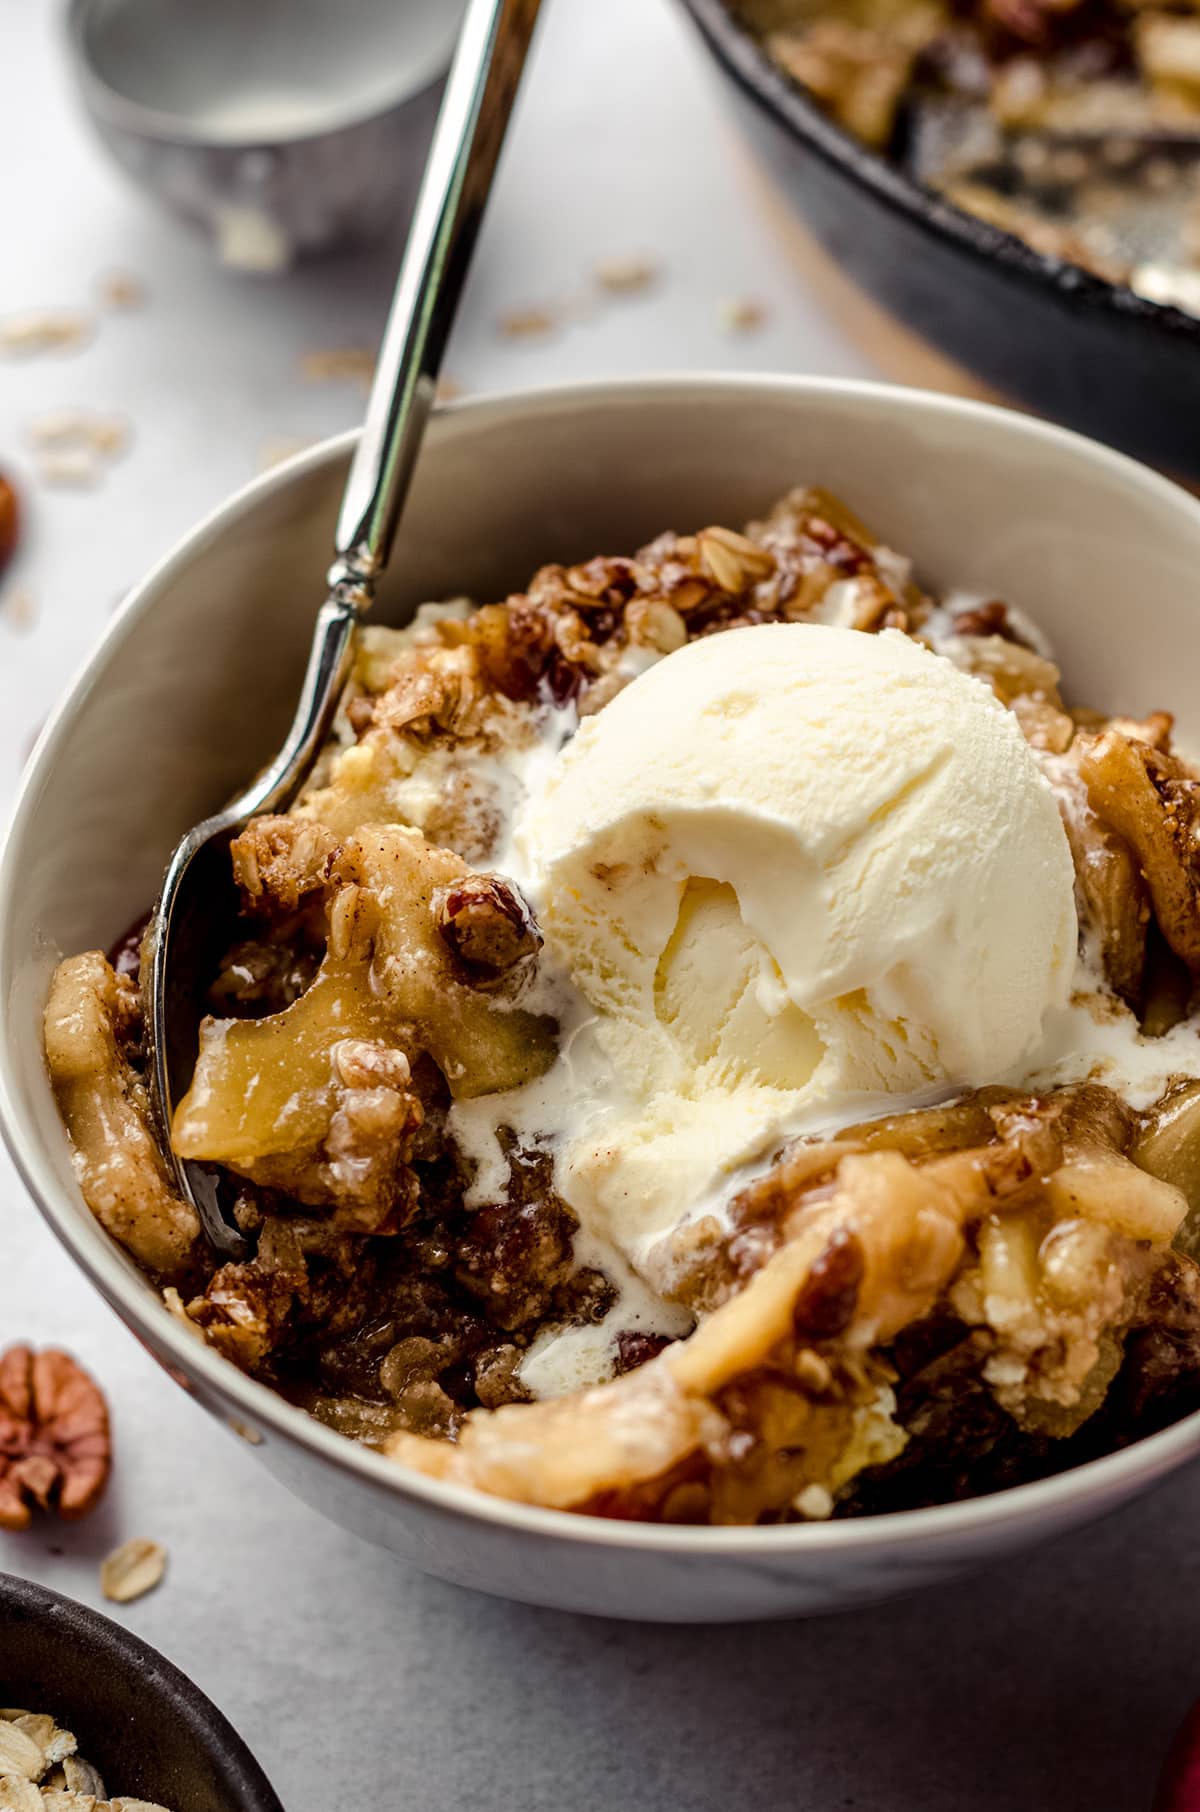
189,691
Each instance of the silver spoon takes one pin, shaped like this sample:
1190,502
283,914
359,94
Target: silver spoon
197,908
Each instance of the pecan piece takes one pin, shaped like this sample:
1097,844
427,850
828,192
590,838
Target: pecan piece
828,1298
10,521
513,1257
487,923
987,619
55,1446
635,1347
1029,21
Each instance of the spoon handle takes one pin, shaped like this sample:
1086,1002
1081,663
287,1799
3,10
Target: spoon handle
462,160
474,116
480,91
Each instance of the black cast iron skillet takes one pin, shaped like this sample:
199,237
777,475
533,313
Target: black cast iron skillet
150,1732
1043,332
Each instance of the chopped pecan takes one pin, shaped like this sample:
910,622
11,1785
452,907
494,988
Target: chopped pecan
305,1275
496,1379
245,1312
360,1167
600,582
575,642
55,1446
825,1305
1035,23
488,925
515,642
634,1348
1030,1130
409,1374
815,542
987,619
513,1257
838,550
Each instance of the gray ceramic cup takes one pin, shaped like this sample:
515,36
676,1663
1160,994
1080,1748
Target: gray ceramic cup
190,690
281,128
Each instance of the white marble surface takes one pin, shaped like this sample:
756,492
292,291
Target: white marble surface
1053,1682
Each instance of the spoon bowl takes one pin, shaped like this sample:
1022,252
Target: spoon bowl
197,906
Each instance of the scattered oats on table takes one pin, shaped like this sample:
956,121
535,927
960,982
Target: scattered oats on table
526,323
743,315
626,276
44,330
132,1570
121,289
106,436
74,446
70,468
17,608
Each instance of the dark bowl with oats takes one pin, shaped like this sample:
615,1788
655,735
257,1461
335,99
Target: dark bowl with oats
1028,323
134,1720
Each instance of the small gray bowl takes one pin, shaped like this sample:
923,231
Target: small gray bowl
282,128
143,1724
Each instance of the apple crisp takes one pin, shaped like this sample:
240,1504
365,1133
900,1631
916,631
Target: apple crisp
1073,124
932,1298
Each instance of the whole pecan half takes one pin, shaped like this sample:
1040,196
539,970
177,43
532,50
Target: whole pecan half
55,1445
488,925
10,521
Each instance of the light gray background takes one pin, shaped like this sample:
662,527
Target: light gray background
1053,1683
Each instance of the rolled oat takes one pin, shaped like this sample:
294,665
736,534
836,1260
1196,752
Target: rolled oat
132,1570
40,1771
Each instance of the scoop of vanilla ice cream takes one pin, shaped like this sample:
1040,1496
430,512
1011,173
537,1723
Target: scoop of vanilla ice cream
786,866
